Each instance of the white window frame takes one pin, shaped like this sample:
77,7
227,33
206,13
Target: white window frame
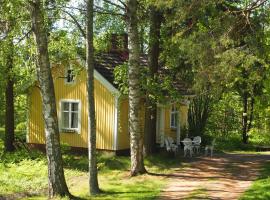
66,75
64,129
174,113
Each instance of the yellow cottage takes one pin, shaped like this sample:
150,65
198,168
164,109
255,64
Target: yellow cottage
111,108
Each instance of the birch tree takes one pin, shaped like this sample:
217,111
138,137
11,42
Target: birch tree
136,139
56,178
93,180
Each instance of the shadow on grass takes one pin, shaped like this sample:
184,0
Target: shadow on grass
104,162
26,195
260,189
147,195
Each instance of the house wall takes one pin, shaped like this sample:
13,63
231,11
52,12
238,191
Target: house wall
104,104
123,131
123,134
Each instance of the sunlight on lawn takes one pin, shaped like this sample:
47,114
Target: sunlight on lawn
25,176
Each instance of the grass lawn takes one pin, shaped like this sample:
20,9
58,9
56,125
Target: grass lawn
24,176
260,189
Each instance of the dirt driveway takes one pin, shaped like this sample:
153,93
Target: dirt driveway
225,176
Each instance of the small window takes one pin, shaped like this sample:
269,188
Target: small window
174,117
70,77
70,116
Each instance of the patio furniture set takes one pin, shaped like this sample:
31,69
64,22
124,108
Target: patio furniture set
191,146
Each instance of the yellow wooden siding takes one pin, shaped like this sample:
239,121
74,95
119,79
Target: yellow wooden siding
183,115
105,111
123,133
167,127
36,132
105,114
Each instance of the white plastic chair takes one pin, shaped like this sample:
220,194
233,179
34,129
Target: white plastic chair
197,143
170,146
210,148
188,146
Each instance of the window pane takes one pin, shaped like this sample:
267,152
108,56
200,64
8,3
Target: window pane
173,108
65,106
65,119
74,106
70,75
74,120
172,120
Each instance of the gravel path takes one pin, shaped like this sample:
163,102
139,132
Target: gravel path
225,176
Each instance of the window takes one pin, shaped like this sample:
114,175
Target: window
174,117
70,77
70,115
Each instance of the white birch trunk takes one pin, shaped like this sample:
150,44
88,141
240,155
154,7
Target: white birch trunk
136,140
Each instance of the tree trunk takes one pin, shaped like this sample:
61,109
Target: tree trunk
141,39
9,121
198,114
136,141
151,105
245,118
57,182
252,102
93,180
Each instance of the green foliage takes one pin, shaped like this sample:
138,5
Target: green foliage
225,118
233,143
160,88
62,46
198,114
121,78
26,175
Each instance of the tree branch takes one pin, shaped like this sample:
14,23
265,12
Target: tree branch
251,7
76,23
103,11
116,5
73,8
122,2
256,4
26,35
109,13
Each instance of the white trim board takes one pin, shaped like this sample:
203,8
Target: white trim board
101,79
77,130
105,82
